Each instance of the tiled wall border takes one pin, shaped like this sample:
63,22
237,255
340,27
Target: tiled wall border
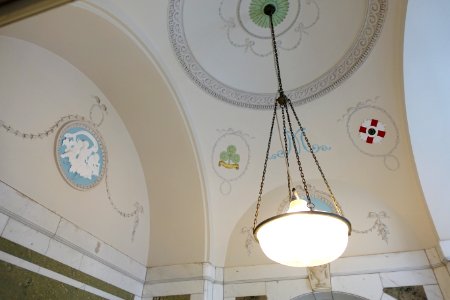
29,224
30,260
364,276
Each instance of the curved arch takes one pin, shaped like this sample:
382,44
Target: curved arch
425,71
123,67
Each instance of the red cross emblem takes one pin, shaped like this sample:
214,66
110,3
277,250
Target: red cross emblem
372,131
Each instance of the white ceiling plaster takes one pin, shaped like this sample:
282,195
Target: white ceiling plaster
375,90
328,47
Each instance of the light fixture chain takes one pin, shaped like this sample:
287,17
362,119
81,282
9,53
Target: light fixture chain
285,150
286,154
275,54
297,156
263,177
335,203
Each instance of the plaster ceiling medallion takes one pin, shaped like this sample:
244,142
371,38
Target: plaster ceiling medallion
322,44
80,154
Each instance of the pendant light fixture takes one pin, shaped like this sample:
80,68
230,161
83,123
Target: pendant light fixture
303,236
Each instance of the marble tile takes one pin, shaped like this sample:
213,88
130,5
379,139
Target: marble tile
209,271
100,271
60,278
217,291
120,260
208,288
387,262
18,262
173,288
3,220
81,240
64,254
77,237
263,272
26,209
26,236
132,285
244,289
433,257
105,273
408,278
433,292
287,289
368,285
219,274
443,279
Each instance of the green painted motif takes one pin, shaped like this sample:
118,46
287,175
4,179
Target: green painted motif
19,283
230,156
256,12
229,159
55,266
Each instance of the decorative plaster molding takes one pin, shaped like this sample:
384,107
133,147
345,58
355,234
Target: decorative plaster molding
367,109
15,212
349,63
97,114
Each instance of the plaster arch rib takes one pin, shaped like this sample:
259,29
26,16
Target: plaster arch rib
123,66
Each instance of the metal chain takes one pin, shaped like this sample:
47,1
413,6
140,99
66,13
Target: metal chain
336,204
263,177
284,101
286,154
297,156
275,55
285,150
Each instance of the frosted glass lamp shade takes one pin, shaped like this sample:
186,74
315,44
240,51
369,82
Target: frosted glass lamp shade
303,238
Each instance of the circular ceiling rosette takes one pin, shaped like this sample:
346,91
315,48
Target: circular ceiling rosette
225,46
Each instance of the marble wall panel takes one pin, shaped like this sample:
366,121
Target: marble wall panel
407,278
367,285
26,236
22,208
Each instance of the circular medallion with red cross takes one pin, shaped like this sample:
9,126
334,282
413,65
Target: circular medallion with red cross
372,131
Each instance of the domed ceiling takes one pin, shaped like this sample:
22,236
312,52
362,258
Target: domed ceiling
224,56
217,67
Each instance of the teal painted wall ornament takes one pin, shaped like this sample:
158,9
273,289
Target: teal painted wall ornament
80,155
256,12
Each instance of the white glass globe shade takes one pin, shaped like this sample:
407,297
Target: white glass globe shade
303,238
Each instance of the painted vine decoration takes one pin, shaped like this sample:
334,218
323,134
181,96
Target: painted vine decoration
76,157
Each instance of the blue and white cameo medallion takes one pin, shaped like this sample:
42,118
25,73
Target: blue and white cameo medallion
80,155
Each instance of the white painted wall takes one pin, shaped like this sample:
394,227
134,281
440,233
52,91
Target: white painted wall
37,88
427,93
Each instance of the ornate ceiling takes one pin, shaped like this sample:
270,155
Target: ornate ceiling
191,81
320,57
